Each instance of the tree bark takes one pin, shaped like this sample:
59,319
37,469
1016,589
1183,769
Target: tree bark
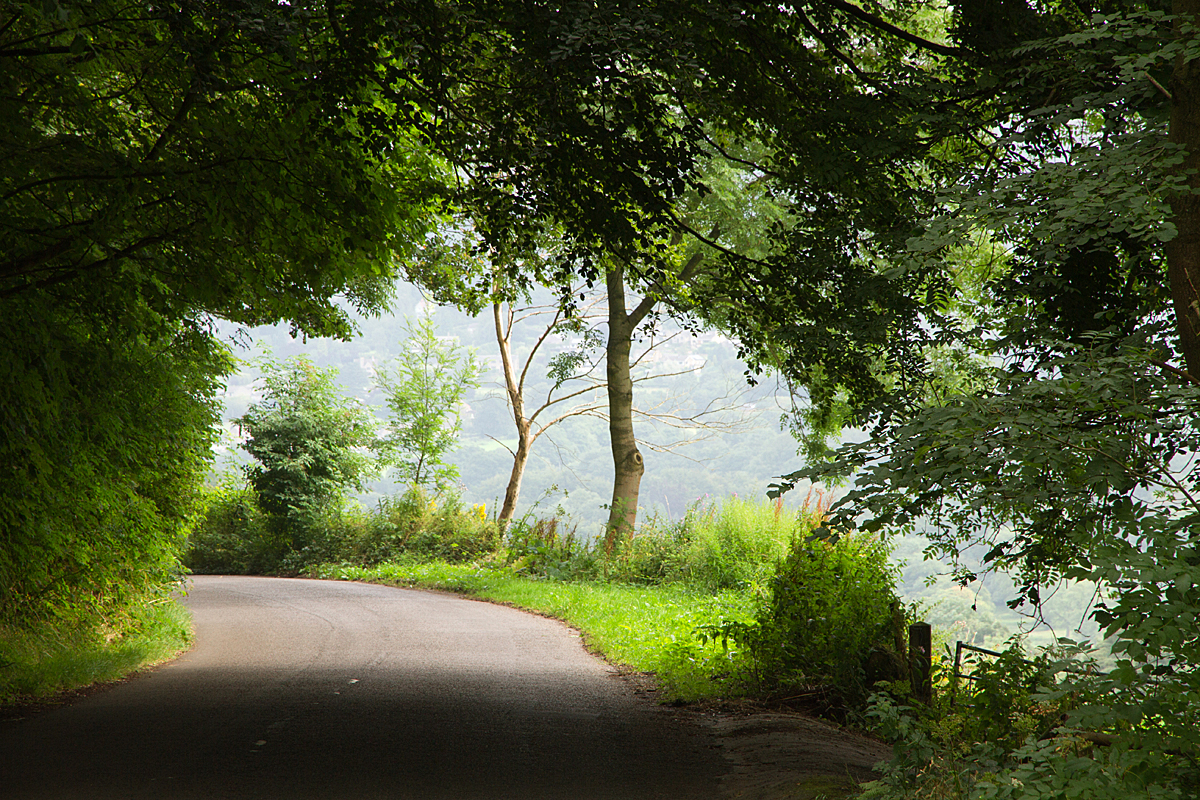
516,402
628,464
513,491
1183,252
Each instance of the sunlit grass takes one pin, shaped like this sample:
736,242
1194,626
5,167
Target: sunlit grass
649,629
39,665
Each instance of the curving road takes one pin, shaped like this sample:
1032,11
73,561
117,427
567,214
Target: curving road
312,689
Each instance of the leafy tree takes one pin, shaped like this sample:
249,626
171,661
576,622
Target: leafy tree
163,164
193,157
309,441
1074,460
104,443
602,120
1079,469
425,386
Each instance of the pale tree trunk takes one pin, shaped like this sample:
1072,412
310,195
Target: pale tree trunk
516,401
1183,252
513,491
628,464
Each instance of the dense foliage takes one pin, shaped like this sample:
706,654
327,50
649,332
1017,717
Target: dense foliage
162,164
1079,468
164,160
308,440
1069,457
234,535
106,440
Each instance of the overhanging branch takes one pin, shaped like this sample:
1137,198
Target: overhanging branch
900,33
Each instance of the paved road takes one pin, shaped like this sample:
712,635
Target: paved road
300,689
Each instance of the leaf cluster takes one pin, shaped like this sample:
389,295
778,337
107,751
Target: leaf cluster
105,440
188,158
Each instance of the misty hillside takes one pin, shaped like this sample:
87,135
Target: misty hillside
682,464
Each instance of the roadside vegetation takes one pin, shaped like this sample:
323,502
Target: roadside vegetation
735,599
39,664
970,231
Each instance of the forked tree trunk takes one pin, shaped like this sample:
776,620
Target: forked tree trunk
1183,252
628,464
517,403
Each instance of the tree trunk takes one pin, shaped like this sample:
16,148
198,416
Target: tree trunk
1183,252
516,401
628,464
513,491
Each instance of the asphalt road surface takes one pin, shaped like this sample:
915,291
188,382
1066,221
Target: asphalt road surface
313,689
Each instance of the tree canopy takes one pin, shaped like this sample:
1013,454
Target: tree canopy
194,158
1006,183
163,164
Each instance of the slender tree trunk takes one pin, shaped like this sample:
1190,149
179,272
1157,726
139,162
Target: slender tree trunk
516,401
628,463
1183,252
513,492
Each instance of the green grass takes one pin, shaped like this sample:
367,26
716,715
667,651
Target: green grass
739,542
649,629
37,666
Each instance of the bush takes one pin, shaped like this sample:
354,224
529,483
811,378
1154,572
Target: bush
232,536
1006,720
832,620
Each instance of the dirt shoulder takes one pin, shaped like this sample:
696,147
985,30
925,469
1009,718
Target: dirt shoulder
773,753
787,756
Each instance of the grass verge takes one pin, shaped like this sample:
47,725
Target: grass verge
648,629
39,666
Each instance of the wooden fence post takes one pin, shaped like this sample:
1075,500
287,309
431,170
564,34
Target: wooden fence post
920,659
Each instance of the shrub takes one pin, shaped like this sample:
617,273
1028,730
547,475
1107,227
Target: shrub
336,533
1003,724
232,536
832,619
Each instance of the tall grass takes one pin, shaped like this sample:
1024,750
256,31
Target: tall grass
736,544
42,662
740,542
